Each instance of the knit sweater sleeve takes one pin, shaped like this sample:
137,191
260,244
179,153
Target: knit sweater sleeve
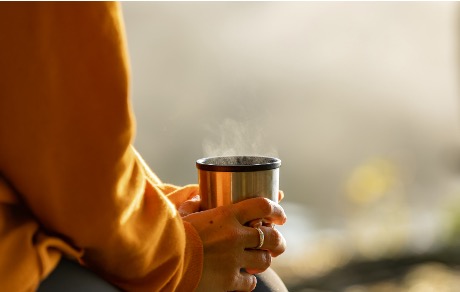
66,130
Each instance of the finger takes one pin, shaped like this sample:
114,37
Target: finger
280,196
190,206
260,222
258,208
257,261
255,223
273,240
244,282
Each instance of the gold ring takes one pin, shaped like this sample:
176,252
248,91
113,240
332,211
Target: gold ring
261,237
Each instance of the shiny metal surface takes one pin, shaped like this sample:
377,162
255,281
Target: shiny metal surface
219,188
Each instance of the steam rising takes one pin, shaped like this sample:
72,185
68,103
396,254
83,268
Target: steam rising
234,138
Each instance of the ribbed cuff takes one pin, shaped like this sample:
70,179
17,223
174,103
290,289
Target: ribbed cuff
193,262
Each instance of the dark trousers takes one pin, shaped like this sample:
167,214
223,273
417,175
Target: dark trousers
71,277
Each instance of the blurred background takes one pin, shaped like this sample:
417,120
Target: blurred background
360,100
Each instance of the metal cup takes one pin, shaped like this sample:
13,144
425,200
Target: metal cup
224,180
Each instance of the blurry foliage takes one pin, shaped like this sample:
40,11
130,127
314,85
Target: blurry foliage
428,277
378,214
370,181
376,253
453,224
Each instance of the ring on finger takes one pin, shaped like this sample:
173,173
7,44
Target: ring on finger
261,237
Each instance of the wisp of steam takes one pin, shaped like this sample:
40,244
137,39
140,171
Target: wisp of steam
235,138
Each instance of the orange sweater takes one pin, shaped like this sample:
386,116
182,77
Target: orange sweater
70,181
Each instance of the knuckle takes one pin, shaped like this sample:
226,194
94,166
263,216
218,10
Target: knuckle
266,259
276,237
253,283
277,242
265,205
247,283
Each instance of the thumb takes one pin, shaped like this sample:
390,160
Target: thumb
190,206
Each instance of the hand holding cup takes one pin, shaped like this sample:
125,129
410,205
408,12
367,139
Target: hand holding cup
239,201
230,254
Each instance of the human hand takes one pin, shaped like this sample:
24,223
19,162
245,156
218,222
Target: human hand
229,255
192,205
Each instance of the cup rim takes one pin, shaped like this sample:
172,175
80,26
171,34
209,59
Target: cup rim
212,163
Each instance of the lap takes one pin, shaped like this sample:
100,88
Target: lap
269,281
71,277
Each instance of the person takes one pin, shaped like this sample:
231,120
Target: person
73,186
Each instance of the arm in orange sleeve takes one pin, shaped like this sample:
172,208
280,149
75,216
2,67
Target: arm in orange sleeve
65,145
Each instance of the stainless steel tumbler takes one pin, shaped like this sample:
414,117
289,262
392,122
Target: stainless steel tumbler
224,180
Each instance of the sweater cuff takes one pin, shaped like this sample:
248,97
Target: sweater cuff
193,261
